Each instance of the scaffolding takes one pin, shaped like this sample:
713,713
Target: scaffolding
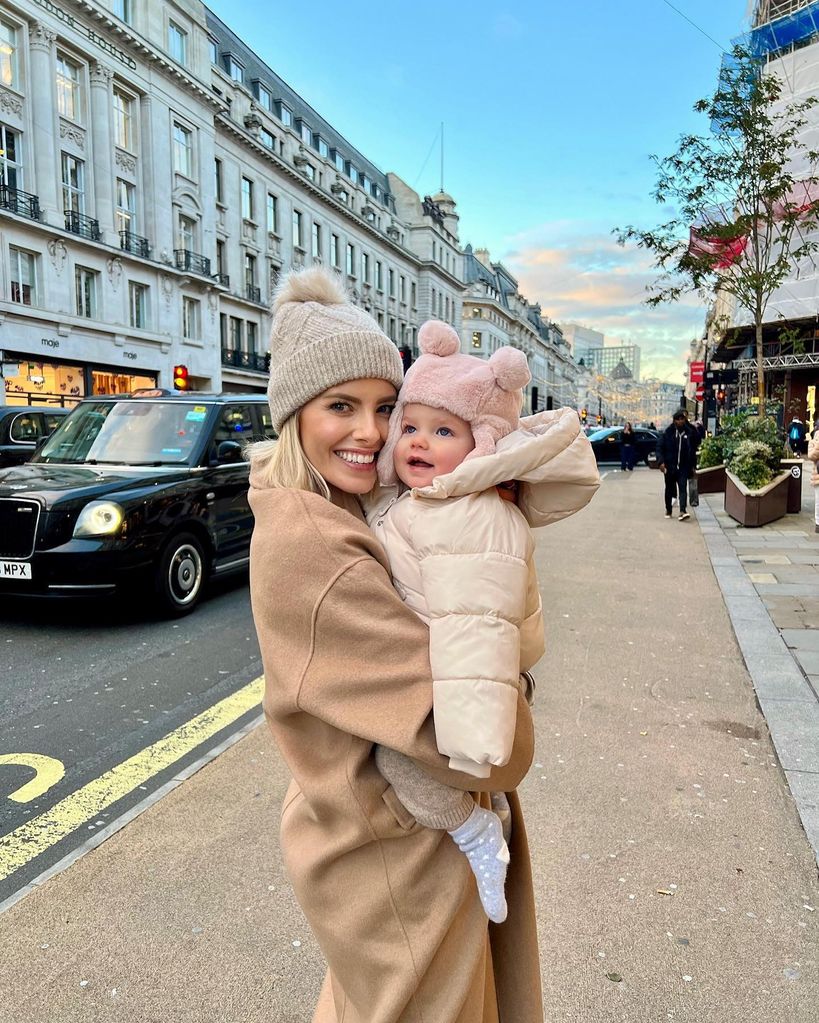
781,26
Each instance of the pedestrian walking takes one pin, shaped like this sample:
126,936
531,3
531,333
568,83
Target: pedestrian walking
677,458
462,556
797,437
628,449
392,904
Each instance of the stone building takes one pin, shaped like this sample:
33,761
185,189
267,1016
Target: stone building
156,178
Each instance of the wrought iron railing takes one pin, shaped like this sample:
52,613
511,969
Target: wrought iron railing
192,261
85,227
252,293
222,279
244,360
133,243
21,203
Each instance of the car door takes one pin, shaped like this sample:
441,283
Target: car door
646,443
611,446
231,517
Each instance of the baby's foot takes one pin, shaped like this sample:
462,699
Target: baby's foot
500,806
480,837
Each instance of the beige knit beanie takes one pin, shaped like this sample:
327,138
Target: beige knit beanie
320,339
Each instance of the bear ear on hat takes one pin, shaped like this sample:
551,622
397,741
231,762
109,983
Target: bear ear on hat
510,369
437,338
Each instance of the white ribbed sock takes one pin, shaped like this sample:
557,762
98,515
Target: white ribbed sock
480,837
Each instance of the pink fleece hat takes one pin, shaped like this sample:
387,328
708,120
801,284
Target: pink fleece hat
486,394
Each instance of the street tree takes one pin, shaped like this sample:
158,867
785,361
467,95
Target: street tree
744,197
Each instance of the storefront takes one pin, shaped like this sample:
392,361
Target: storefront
53,383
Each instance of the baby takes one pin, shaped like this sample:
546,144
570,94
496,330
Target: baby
462,558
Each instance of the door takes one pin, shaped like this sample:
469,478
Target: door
231,517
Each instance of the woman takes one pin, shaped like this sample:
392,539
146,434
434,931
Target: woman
628,451
393,905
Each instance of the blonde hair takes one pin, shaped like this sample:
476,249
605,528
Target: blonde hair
282,463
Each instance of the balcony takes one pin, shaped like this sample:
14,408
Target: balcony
253,294
134,244
192,261
21,203
85,227
222,279
245,360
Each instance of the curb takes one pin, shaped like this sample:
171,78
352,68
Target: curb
785,697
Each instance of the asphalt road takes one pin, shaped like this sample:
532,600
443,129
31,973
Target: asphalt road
91,685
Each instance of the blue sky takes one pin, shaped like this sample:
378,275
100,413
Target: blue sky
551,111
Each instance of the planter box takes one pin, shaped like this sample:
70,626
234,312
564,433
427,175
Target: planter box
712,480
756,507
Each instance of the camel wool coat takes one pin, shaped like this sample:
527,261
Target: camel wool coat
393,906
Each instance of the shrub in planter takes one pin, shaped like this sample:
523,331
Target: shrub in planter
711,453
750,463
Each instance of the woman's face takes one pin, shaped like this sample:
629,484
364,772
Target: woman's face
344,428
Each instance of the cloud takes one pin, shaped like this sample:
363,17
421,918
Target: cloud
579,273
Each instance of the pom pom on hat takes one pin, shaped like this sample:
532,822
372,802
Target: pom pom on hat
437,338
312,285
510,369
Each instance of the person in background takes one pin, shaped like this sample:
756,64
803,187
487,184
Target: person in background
628,451
797,436
677,458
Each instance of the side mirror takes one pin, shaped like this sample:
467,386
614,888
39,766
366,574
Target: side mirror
229,451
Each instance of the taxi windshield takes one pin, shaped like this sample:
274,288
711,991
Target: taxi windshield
131,432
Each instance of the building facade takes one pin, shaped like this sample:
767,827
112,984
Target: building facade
605,360
496,314
156,178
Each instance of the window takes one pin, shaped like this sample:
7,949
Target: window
335,255
217,169
235,334
402,288
187,234
177,43
316,241
85,285
122,9
285,115
123,120
235,70
213,50
73,184
220,257
321,146
298,238
251,333
304,131
392,328
267,139
272,214
126,206
379,275
182,150
391,280
376,191
350,260
247,199
8,54
138,305
11,172
190,318
23,276
414,294
264,96
365,267
365,182
235,423
68,88
250,270
309,171
352,173
476,313
338,160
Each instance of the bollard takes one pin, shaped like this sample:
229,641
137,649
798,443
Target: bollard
794,467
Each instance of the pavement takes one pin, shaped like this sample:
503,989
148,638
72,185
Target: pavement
674,877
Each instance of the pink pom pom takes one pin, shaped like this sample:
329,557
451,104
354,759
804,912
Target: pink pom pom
437,338
510,368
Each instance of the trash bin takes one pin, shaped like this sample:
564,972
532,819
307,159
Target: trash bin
794,466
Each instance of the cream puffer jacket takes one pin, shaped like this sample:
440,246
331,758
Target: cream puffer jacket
462,558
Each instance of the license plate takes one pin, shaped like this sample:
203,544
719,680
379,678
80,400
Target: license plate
15,570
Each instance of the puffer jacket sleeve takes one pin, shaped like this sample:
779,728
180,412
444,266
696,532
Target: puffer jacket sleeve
474,561
532,641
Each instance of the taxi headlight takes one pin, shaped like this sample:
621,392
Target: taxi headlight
99,518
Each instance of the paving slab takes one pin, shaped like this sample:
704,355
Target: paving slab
803,639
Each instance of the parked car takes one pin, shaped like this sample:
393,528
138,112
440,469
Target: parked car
134,490
22,427
606,444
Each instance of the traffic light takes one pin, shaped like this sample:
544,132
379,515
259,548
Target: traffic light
584,414
599,419
180,378
406,357
721,395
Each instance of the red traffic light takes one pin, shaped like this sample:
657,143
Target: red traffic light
720,395
180,378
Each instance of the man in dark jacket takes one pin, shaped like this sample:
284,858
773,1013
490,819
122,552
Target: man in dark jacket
677,458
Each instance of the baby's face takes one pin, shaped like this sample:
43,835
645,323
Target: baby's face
432,443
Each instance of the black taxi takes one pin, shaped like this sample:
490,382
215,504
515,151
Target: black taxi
149,488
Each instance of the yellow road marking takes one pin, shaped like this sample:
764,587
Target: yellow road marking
48,772
40,833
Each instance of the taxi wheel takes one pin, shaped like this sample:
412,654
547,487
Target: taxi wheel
180,574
